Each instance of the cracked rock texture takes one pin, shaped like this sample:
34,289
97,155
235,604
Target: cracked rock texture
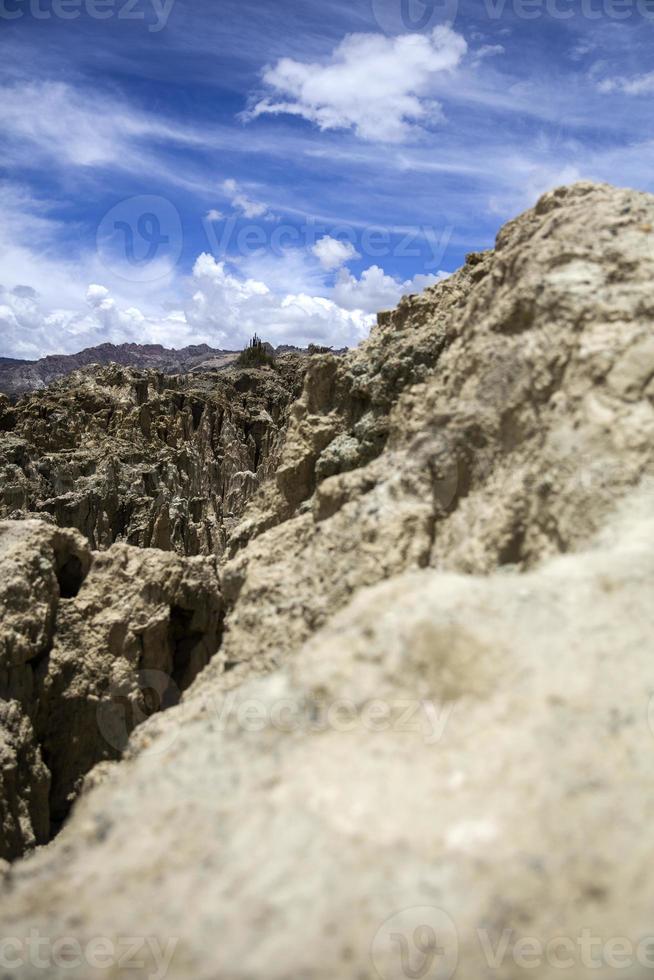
144,458
432,705
490,422
90,645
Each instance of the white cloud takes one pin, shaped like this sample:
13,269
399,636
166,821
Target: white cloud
30,329
581,49
376,290
68,126
214,215
222,309
637,85
285,298
81,128
488,51
232,309
333,253
243,203
376,85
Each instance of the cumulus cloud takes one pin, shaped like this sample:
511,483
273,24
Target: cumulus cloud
376,85
375,290
333,253
287,298
232,309
243,203
214,215
29,329
223,309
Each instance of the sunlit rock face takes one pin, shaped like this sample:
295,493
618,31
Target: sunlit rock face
423,744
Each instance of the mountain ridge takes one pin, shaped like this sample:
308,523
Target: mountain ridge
19,377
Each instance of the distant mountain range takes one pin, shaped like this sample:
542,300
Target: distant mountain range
20,377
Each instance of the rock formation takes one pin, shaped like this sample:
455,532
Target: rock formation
21,377
423,745
155,461
91,644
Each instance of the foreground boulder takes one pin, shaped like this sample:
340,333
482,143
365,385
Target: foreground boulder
463,756
424,745
90,645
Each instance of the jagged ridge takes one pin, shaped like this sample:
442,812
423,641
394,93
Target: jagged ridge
140,457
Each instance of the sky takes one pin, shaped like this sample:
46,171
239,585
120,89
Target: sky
193,171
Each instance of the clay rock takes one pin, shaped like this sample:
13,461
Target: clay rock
143,458
39,565
494,420
427,730
469,756
24,784
91,645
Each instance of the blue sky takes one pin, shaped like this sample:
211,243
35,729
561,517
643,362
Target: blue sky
186,171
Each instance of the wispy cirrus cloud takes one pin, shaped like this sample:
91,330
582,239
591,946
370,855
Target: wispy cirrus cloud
81,127
636,85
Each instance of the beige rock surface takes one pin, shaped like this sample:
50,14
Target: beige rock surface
453,570
475,753
492,421
90,645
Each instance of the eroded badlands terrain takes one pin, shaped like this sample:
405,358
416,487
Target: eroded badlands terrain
401,624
